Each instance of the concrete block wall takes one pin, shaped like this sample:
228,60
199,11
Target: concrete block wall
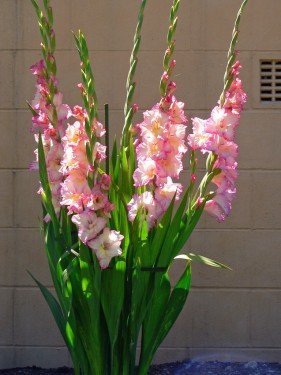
229,315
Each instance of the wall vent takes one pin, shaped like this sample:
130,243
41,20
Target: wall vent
270,81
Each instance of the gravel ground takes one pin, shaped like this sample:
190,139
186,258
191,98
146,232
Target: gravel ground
176,368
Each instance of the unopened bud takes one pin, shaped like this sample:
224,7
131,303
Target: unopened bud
81,88
171,87
166,102
165,77
193,177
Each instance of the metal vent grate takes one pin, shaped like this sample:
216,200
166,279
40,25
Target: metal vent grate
270,83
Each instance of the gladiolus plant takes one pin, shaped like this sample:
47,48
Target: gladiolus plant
115,220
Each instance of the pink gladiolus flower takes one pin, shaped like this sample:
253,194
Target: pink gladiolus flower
74,134
222,122
176,112
214,210
99,129
53,162
145,200
75,191
98,200
169,167
105,181
216,135
38,69
145,173
106,246
89,224
165,193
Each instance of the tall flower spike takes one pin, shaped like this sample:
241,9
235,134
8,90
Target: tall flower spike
88,91
130,85
168,63
49,112
231,55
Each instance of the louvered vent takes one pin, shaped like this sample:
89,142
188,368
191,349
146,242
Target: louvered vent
270,83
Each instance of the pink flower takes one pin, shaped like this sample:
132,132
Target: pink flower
63,110
165,193
99,129
75,191
89,225
145,173
222,122
145,200
38,69
74,134
105,181
106,246
98,200
154,121
151,147
53,162
176,112
171,166
199,138
214,210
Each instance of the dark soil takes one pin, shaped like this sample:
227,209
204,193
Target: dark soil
175,368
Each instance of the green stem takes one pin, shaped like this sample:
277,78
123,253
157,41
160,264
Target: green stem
231,55
168,63
48,47
106,124
130,85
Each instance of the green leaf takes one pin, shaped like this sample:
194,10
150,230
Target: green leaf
163,319
166,254
54,307
32,110
202,259
176,303
187,228
152,321
160,234
112,303
47,196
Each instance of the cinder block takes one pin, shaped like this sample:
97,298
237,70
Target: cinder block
18,144
8,141
213,23
25,82
46,357
6,198
265,307
34,324
258,140
252,36
220,318
180,334
8,257
266,199
243,251
7,68
235,354
31,257
114,32
156,22
28,211
7,357
8,33
215,65
166,355
6,314
25,143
